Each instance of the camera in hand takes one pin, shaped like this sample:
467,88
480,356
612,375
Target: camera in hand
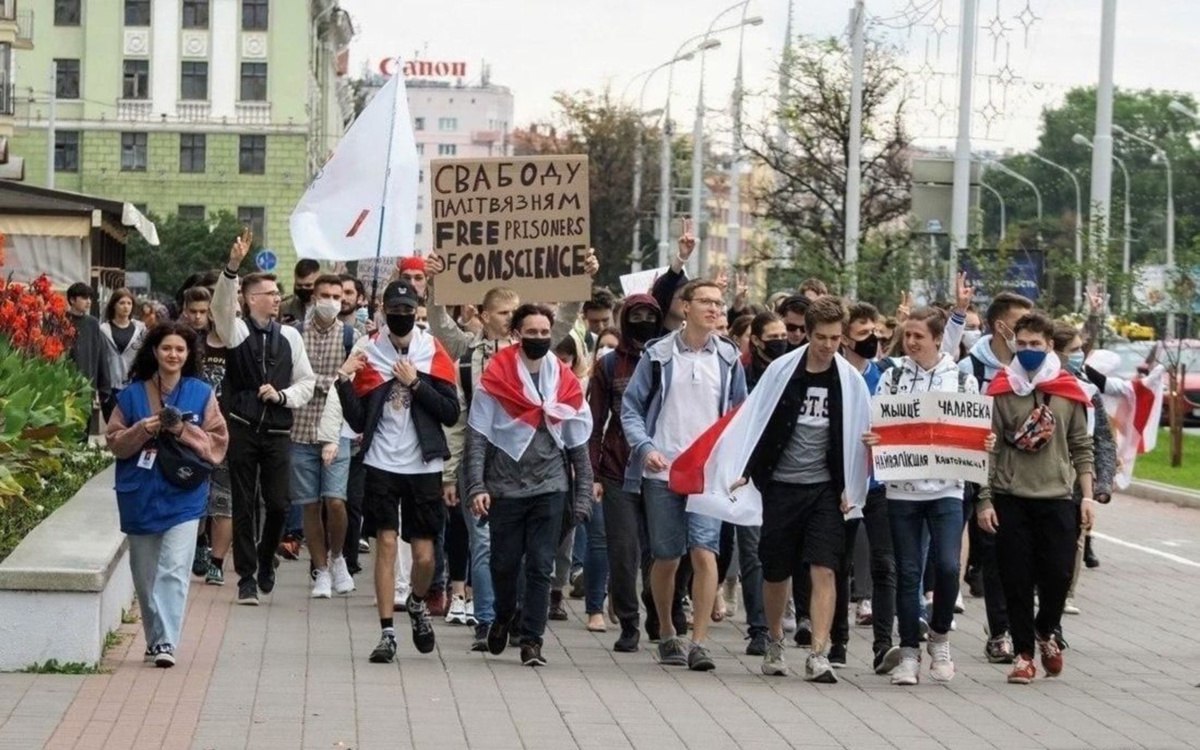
170,417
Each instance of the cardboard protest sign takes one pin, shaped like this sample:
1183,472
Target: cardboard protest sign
521,222
931,436
640,282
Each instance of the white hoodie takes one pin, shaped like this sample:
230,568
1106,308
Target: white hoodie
909,377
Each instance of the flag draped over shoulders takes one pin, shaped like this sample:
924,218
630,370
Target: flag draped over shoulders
424,352
508,407
708,469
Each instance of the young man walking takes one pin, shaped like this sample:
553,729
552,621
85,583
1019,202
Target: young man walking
683,384
1040,411
267,377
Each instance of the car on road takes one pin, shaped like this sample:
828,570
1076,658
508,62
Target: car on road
1185,352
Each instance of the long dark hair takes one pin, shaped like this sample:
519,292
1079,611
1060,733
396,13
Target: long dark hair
110,310
145,364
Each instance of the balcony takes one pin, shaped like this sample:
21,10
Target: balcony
8,95
134,110
24,21
252,113
193,111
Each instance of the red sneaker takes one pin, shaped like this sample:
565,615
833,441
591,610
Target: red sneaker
437,602
1023,670
1052,657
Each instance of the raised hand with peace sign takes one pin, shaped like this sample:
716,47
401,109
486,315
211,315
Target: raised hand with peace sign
904,308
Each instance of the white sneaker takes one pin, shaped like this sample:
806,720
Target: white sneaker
789,618
908,672
470,613
959,605
1069,608
364,547
818,669
322,584
941,666
457,614
343,582
863,616
773,662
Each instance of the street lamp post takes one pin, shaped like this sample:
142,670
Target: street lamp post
854,149
1082,140
699,262
1003,209
1160,153
960,206
1078,224
1022,178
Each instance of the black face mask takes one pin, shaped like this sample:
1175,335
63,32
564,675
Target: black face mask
773,350
642,331
535,349
868,348
401,324
302,294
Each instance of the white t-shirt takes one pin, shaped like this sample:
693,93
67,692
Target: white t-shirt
692,404
396,447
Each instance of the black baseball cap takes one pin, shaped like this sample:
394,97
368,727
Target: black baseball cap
399,293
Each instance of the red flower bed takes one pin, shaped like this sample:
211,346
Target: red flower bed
34,319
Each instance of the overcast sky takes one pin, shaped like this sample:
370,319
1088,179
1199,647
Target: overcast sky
539,47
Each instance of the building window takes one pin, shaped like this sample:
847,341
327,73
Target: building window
66,81
195,14
254,217
254,82
136,80
447,149
193,148
191,212
421,149
252,154
66,151
255,15
67,12
421,176
137,12
194,81
418,123
417,228
133,152
447,123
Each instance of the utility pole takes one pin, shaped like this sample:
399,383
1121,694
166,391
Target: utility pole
854,151
1102,141
51,116
960,208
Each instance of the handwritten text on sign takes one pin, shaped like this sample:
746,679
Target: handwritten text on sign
931,436
520,222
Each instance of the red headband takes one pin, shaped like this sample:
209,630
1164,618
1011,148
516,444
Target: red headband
412,263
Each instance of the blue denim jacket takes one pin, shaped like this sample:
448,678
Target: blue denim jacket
639,412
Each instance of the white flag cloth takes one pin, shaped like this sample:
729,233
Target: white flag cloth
338,217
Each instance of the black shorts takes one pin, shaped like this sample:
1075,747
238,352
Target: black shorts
802,524
408,503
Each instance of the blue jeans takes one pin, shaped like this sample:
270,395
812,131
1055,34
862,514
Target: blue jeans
481,573
909,518
529,528
161,565
673,530
595,559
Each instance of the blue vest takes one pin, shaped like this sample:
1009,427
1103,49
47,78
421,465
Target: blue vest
148,503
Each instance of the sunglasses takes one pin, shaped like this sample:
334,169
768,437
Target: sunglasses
793,328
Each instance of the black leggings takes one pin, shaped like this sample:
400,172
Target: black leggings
458,548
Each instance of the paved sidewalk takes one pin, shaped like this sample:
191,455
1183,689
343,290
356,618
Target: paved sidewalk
293,674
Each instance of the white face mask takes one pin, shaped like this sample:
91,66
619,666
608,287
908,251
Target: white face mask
971,338
327,309
602,351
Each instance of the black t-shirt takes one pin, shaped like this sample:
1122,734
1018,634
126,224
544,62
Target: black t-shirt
121,336
212,368
805,459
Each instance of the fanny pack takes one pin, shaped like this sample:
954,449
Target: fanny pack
181,465
1037,430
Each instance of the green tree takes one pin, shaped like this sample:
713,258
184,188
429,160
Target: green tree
186,246
806,143
607,131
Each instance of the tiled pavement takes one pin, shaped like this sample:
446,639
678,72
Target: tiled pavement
293,674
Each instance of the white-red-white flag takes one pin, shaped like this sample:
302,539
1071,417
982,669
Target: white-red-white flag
339,216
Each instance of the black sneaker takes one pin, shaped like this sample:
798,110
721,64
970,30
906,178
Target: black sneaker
200,561
671,652
266,578
652,630
422,626
385,652
886,659
804,633
974,581
558,612
164,656
215,576
514,635
531,655
699,659
758,644
578,585
628,642
247,592
480,644
497,637
837,655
